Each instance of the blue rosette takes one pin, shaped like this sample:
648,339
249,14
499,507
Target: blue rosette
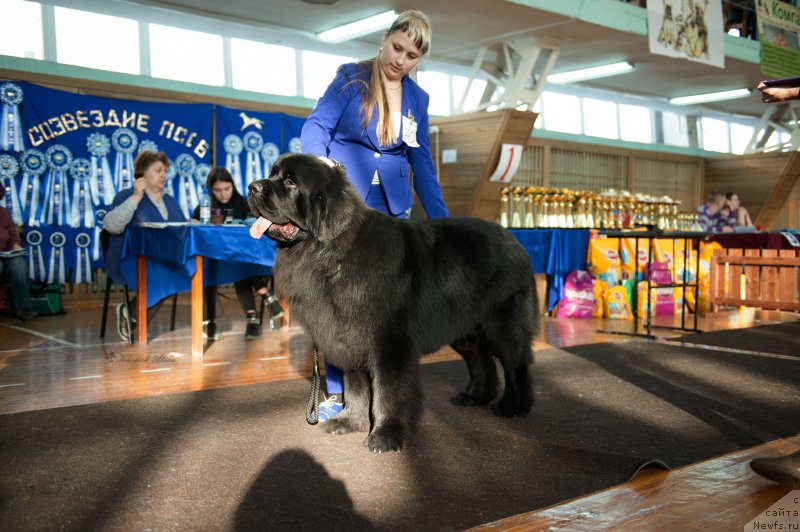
185,190
36,267
33,165
185,164
58,157
10,93
253,142
233,145
98,144
201,174
56,205
80,169
295,146
270,152
33,162
82,268
148,145
8,167
124,140
57,268
82,214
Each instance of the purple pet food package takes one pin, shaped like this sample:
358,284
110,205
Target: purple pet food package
578,296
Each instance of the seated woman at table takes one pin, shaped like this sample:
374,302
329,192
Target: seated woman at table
146,201
225,197
733,214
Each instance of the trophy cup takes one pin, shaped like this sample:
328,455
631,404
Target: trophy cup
516,216
504,205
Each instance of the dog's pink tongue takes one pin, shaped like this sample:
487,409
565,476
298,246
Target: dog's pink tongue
260,227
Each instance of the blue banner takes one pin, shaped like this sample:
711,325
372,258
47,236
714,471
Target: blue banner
292,126
249,142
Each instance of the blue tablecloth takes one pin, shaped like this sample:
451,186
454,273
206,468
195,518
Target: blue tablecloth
171,256
555,252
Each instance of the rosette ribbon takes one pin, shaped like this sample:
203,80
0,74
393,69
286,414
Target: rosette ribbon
124,142
269,153
82,200
295,146
200,178
171,173
233,147
82,272
8,172
185,190
36,269
11,138
97,253
33,165
252,144
102,180
56,208
56,272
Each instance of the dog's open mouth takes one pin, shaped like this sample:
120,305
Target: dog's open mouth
287,230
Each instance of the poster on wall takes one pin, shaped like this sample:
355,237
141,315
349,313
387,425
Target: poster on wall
778,29
690,29
249,142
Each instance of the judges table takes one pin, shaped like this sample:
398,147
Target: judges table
555,252
176,258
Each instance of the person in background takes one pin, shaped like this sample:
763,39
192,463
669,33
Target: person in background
710,214
733,214
145,201
373,119
15,267
225,197
781,469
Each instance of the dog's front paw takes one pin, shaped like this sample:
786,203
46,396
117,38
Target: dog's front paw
465,399
507,406
339,425
385,439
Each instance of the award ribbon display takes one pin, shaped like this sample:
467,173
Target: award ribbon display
233,147
8,171
33,165
11,138
82,199
36,269
124,142
57,272
55,209
201,176
252,144
82,272
102,181
186,190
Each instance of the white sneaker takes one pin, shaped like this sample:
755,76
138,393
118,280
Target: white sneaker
123,323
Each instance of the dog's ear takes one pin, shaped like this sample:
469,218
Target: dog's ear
334,207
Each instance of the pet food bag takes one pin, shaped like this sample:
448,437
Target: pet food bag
616,304
629,265
578,296
600,289
661,300
704,276
604,261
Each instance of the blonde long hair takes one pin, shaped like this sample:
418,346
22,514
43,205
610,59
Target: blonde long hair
418,28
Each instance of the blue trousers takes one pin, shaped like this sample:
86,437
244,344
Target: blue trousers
334,378
16,268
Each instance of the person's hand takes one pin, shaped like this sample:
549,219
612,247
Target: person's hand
15,247
139,186
778,94
193,221
727,229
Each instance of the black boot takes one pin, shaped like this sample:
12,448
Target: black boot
253,328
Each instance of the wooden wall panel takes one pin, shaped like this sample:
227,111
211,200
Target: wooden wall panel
752,177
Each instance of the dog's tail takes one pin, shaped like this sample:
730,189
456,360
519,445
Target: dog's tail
536,318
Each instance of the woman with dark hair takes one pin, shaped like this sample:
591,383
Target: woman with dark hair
225,197
15,267
145,201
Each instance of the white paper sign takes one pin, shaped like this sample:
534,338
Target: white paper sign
510,157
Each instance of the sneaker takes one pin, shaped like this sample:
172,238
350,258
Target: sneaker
210,331
123,324
253,328
781,469
26,314
274,306
329,408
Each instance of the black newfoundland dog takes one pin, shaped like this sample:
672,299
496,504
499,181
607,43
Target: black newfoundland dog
376,293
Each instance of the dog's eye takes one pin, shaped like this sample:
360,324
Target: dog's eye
288,183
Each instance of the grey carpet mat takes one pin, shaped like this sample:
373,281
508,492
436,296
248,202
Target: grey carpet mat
244,459
780,339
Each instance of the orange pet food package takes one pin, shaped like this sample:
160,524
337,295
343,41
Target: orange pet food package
616,304
627,255
600,289
603,261
704,279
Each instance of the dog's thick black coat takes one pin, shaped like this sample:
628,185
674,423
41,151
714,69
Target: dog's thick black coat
376,293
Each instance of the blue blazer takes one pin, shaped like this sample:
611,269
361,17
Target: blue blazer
146,211
335,129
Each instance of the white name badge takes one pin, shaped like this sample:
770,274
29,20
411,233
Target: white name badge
410,132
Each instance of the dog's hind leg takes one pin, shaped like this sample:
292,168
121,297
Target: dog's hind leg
511,341
355,415
396,402
482,387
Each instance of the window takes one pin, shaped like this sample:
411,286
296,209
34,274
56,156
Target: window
97,41
22,30
740,137
473,97
263,67
319,70
600,118
715,134
437,85
186,55
635,123
676,132
562,112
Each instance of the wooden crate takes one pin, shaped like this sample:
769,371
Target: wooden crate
766,279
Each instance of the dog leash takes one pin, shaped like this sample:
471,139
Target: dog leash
312,410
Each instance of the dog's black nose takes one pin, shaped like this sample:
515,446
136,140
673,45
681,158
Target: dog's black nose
255,187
